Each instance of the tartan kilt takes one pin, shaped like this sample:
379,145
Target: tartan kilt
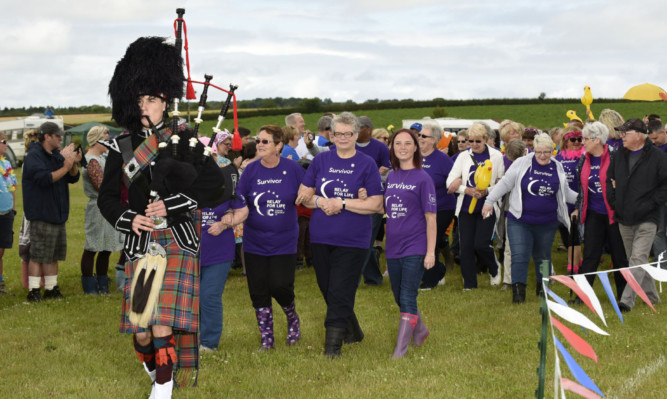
178,303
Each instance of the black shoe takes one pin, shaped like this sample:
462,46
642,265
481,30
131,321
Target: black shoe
518,293
353,332
576,301
538,289
333,341
34,295
623,307
299,263
53,294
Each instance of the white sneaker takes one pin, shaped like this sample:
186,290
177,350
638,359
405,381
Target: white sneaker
442,281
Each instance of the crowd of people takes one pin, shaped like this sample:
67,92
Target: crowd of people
491,200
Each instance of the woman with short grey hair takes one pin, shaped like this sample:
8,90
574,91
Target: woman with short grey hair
600,229
344,188
538,196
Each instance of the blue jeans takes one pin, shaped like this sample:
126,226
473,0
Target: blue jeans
213,278
526,239
405,275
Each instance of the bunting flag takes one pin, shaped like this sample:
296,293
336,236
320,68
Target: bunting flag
656,272
578,343
568,281
576,370
604,279
582,281
627,273
556,297
578,389
574,317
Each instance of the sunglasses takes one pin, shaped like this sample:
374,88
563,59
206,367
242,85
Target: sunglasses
3,141
475,141
575,139
264,141
424,136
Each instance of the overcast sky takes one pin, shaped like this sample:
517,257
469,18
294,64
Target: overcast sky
63,53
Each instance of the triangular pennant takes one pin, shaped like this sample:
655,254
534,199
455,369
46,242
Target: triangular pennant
588,290
574,316
578,343
576,370
556,297
635,287
578,389
604,279
568,281
656,273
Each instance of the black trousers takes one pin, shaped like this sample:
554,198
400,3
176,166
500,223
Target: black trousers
270,277
476,237
337,270
598,235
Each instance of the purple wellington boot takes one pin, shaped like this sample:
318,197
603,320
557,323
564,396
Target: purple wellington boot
421,331
293,324
405,329
265,324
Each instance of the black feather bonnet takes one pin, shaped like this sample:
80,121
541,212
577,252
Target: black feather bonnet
150,66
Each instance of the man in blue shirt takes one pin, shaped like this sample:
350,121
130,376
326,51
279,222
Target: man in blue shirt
46,174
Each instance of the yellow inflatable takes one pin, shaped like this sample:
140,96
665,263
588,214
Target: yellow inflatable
482,180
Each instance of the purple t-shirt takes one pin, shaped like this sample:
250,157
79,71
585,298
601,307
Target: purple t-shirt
507,162
614,144
438,165
570,167
335,177
470,182
410,194
220,248
539,187
272,226
378,151
595,198
663,147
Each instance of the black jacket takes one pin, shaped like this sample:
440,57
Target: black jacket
641,192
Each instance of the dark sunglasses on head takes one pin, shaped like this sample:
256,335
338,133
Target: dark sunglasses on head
573,139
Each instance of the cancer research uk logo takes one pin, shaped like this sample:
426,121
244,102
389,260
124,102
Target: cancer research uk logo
271,205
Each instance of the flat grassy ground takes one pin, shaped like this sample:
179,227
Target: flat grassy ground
481,346
543,116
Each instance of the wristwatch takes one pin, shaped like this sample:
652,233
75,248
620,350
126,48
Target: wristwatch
343,203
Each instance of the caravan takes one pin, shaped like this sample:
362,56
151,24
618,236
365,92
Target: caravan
16,128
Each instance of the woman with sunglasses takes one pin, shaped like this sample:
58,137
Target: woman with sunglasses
270,187
410,202
538,195
570,153
475,232
343,186
381,135
438,165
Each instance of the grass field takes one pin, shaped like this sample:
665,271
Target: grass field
543,116
481,346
